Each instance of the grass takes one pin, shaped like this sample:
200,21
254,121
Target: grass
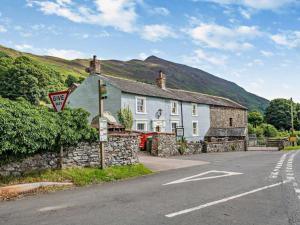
290,148
80,176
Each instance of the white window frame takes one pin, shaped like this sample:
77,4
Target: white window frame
176,113
141,122
177,124
136,105
197,128
196,114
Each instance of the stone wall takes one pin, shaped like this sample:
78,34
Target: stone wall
226,146
193,148
164,145
83,155
121,149
220,117
49,160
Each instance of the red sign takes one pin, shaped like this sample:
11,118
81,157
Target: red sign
58,100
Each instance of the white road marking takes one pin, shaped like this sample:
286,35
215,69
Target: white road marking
199,176
290,173
278,166
52,208
223,200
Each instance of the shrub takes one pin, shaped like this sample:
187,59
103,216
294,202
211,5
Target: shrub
269,130
126,118
26,129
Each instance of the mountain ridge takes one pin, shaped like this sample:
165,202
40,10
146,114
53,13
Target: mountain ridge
179,76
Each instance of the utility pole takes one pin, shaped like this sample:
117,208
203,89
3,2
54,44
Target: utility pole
101,143
292,115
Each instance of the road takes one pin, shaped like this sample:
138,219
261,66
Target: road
243,188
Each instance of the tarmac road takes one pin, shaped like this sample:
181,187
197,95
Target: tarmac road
235,188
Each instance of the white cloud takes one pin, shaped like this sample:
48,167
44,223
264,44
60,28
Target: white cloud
119,14
160,11
266,53
23,47
143,56
65,54
257,4
290,39
156,32
220,37
245,13
257,84
2,29
199,56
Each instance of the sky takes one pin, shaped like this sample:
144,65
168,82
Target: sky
254,43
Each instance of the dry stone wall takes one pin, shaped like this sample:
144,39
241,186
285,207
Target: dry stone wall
164,145
121,149
225,146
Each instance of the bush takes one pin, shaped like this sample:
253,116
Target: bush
28,79
269,130
26,129
126,118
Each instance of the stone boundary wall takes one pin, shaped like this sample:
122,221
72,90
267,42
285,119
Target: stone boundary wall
164,145
121,149
225,146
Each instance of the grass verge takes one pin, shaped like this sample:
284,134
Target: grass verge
290,148
80,176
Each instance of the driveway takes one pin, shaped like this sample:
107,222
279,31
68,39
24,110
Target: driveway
157,164
242,188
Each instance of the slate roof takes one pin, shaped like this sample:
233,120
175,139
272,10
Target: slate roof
135,87
227,132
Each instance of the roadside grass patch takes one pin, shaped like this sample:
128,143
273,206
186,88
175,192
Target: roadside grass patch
80,176
290,148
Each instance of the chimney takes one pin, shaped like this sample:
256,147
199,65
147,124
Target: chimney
161,80
95,67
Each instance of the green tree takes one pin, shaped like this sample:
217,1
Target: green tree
255,118
269,130
70,80
28,79
126,118
278,113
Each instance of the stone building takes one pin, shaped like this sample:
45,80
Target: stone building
162,109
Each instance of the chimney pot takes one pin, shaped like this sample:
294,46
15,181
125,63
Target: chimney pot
95,66
161,80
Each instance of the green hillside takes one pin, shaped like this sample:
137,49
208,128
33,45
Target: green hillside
178,75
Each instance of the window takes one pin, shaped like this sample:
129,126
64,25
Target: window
173,126
174,108
195,128
230,122
194,110
140,105
141,126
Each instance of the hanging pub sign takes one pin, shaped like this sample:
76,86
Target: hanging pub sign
179,131
58,99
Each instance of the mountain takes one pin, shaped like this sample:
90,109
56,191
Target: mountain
178,75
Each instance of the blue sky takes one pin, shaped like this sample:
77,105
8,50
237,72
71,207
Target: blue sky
254,43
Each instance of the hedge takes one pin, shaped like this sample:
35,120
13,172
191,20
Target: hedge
26,129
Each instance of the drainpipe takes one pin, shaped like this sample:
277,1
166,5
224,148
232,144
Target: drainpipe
181,115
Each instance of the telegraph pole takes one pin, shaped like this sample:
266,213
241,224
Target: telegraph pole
101,143
292,115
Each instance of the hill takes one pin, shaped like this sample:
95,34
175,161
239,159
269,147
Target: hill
178,75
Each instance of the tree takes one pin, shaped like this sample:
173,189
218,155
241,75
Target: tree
269,130
28,79
126,118
278,113
255,118
71,80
